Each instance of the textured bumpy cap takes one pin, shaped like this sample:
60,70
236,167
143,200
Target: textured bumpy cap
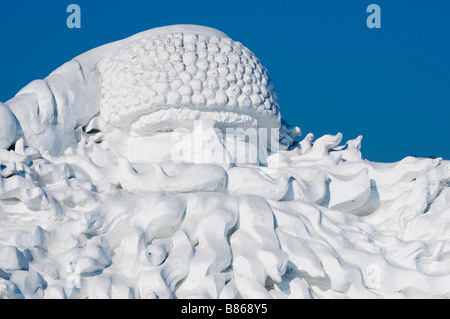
170,72
8,126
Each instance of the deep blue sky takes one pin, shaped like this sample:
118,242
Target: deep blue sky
332,73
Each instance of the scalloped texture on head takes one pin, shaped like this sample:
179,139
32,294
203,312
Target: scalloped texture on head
197,69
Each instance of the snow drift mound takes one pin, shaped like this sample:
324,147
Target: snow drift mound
95,202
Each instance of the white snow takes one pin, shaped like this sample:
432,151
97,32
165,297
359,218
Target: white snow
158,166
8,126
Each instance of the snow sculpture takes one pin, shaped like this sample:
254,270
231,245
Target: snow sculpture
93,203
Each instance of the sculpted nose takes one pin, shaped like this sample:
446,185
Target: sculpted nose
8,127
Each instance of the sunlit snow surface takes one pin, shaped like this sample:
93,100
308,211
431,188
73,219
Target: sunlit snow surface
95,204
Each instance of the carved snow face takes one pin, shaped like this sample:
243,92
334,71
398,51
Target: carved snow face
167,81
